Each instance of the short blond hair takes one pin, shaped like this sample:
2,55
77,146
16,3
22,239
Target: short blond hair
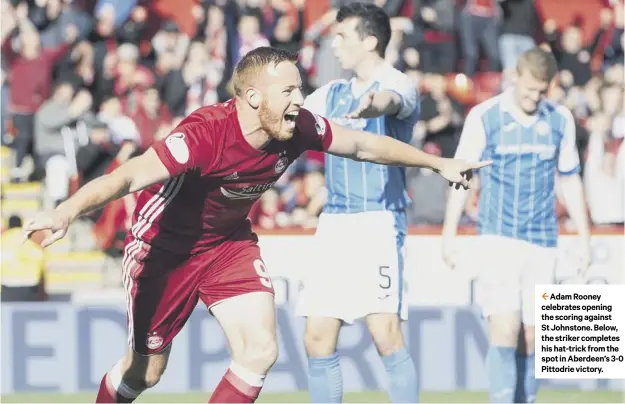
540,62
254,62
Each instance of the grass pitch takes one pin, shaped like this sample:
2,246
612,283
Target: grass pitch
544,396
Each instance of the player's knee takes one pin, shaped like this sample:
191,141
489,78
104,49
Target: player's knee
320,338
153,376
386,333
144,372
317,344
141,379
258,353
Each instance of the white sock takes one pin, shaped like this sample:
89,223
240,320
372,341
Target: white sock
115,379
249,377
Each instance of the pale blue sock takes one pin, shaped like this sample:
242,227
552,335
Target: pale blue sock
530,384
325,381
402,377
502,369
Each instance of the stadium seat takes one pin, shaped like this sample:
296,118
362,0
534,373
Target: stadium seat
28,191
20,207
70,271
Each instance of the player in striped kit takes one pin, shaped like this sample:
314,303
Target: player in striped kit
529,139
357,269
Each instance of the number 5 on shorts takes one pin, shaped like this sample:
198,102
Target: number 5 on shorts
261,270
385,283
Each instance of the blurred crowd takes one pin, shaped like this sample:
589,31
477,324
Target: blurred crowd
88,84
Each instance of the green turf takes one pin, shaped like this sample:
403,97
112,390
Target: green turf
545,396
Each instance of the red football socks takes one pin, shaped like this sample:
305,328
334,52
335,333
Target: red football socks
233,389
107,393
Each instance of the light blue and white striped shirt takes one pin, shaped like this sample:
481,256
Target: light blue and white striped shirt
355,186
517,192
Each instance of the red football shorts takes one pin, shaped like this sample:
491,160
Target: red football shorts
162,289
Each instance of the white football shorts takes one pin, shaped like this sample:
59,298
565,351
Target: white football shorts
508,271
356,266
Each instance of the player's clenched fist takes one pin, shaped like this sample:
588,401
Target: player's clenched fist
55,224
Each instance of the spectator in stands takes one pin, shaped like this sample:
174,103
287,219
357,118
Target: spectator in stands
171,41
117,10
55,116
325,66
23,266
479,25
611,97
266,213
613,52
212,29
314,198
30,78
220,53
520,26
77,66
250,33
107,138
288,32
197,83
400,28
435,19
442,114
132,79
288,29
58,15
428,192
150,117
573,57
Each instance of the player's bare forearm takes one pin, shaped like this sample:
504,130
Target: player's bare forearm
386,102
456,202
95,195
364,146
388,151
132,176
573,194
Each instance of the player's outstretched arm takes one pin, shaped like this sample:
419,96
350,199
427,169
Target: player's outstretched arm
376,104
572,189
364,146
471,146
573,197
132,176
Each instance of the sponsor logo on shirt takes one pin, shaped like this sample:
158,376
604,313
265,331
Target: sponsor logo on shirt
544,151
246,193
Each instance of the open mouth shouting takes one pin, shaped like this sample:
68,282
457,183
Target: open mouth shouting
290,118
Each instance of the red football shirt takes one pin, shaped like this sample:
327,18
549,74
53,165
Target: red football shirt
216,178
